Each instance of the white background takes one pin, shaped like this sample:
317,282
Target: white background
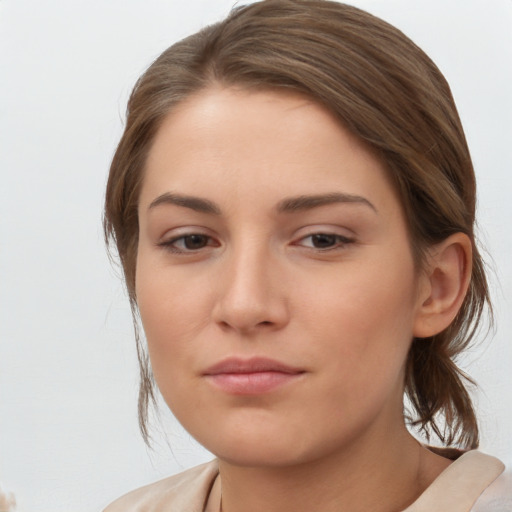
68,377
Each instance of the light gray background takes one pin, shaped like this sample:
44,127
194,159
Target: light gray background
68,376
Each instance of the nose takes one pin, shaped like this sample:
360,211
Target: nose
251,296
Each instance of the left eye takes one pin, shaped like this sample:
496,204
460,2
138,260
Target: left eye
324,241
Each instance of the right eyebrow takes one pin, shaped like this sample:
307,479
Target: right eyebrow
197,204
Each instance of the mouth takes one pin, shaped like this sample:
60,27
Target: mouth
253,376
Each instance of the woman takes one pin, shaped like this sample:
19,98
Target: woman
293,205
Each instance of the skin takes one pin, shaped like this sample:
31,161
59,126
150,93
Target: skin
257,281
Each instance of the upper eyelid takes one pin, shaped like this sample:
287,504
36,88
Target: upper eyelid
330,232
175,238
333,226
334,230
181,231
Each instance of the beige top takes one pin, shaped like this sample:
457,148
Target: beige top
458,488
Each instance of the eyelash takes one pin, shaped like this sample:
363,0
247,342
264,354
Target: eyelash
339,242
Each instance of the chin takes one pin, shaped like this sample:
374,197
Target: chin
241,445
269,447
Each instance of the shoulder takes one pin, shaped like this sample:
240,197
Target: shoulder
187,490
498,496
461,485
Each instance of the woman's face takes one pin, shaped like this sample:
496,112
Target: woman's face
274,279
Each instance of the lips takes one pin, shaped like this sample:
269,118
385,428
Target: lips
251,376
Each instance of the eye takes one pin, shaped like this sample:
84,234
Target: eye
324,241
188,243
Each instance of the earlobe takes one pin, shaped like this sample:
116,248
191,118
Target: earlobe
445,285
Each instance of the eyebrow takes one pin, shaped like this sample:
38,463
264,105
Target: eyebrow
300,203
194,203
289,205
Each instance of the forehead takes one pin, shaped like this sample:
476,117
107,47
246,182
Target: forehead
261,143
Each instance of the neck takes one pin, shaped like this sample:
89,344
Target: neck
379,476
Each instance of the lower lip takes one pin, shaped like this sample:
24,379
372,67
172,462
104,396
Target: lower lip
251,383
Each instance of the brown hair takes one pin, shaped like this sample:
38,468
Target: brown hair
387,92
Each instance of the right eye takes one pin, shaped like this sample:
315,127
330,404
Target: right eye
192,242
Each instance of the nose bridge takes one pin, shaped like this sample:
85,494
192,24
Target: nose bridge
251,295
250,273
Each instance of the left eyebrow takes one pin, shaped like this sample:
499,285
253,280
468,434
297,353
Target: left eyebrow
300,203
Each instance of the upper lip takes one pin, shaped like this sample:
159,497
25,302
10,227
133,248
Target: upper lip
252,365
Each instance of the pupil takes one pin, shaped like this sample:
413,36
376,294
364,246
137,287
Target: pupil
195,241
323,240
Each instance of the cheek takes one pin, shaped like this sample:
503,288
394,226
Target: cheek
367,313
173,312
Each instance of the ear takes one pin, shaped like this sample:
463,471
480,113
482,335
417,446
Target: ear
444,285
